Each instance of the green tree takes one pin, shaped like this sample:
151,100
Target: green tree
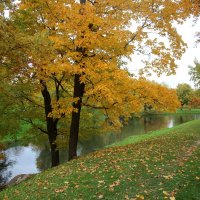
22,88
185,93
195,73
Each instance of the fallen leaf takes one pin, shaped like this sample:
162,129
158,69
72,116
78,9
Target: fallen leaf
100,196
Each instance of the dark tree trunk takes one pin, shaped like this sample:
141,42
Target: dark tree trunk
182,104
54,151
82,1
75,121
51,125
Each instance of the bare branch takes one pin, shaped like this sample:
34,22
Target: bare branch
98,107
136,34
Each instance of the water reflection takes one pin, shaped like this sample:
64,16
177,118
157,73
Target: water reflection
36,158
43,161
170,123
4,173
20,160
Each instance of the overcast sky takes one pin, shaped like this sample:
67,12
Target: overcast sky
188,31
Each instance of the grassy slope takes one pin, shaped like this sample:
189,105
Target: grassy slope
160,166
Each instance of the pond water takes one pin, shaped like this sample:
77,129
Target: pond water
35,158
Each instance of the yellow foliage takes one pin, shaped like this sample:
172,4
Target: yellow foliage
92,39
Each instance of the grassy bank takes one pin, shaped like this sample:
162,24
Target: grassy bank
188,111
162,165
178,112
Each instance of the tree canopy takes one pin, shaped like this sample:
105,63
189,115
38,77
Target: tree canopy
184,92
195,73
71,54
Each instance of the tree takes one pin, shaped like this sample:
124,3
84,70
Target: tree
195,102
87,42
16,71
197,92
6,41
184,92
155,97
195,73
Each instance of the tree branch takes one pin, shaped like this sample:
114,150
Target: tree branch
136,34
34,125
98,107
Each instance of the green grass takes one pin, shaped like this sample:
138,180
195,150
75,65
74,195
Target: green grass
188,111
161,165
178,111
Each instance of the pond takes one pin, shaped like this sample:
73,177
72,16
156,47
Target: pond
36,158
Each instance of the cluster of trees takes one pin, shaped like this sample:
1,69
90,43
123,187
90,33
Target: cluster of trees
195,73
185,93
62,63
187,96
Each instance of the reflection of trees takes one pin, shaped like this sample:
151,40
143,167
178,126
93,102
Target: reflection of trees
43,161
154,122
91,144
179,119
4,176
16,150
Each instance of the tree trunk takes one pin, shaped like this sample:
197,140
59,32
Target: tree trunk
51,125
182,104
75,121
54,150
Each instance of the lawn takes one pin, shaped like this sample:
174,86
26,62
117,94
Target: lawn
160,165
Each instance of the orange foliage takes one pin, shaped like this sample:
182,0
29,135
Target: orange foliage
103,30
91,39
156,96
195,102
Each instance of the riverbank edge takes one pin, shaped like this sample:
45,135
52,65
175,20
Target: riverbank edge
178,112
149,135
39,182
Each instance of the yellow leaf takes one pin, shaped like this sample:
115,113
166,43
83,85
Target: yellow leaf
165,193
139,197
100,196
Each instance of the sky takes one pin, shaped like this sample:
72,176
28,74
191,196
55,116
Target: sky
187,31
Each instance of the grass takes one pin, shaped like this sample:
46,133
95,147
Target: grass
161,165
179,111
188,111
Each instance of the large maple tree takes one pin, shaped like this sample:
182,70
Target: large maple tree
82,46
